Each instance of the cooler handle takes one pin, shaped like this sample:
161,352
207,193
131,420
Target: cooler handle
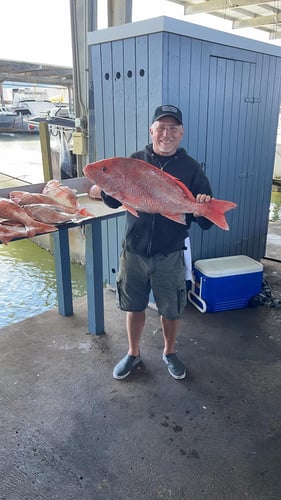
202,306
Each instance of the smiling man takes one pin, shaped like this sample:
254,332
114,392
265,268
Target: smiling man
166,130
153,247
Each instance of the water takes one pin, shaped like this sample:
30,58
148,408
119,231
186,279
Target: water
20,157
28,279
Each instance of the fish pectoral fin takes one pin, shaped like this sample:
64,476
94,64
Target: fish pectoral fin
180,218
131,210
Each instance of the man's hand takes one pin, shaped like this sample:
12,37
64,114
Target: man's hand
202,198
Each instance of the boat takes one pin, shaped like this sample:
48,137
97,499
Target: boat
30,103
7,119
12,123
276,182
29,107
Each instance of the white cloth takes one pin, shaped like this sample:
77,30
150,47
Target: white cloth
188,261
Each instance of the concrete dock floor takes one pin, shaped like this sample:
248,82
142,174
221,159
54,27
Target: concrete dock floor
70,431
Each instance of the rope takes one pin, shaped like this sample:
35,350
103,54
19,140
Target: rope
265,297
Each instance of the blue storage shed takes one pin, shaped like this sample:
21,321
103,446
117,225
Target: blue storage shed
228,88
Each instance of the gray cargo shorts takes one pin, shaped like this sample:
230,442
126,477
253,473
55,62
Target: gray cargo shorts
163,274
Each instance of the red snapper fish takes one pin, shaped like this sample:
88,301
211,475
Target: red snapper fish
63,195
55,214
140,186
13,213
28,200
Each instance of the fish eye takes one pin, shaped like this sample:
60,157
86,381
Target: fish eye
104,169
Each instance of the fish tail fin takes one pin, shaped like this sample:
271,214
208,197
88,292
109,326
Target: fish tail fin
215,210
84,212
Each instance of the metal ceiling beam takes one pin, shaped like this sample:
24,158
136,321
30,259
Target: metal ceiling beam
245,11
275,35
14,71
119,12
257,21
213,5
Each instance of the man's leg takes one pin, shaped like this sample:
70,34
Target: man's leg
175,367
135,326
170,329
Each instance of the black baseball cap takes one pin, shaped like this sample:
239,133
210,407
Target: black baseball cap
167,110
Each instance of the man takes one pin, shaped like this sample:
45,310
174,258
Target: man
153,247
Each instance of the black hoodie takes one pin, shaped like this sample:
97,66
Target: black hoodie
151,234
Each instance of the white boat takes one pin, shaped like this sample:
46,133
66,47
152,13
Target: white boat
33,106
7,119
29,103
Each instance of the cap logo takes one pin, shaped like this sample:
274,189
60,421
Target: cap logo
169,109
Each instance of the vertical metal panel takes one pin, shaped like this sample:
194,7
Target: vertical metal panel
156,67
112,235
142,90
171,70
96,151
118,98
185,84
107,100
130,97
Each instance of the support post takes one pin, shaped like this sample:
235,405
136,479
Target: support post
46,151
63,272
94,275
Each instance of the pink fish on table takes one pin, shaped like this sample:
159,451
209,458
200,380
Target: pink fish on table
140,186
63,195
55,214
11,212
26,199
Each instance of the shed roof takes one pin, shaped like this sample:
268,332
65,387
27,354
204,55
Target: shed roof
171,25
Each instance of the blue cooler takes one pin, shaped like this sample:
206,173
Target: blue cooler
225,283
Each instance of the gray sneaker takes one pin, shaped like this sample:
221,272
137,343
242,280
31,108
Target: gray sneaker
125,366
175,367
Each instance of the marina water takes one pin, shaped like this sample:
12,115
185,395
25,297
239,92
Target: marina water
28,279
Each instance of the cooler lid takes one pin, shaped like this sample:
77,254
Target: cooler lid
228,266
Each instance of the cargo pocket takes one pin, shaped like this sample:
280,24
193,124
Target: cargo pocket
118,293
181,299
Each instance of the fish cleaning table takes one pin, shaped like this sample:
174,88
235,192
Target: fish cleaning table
93,253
